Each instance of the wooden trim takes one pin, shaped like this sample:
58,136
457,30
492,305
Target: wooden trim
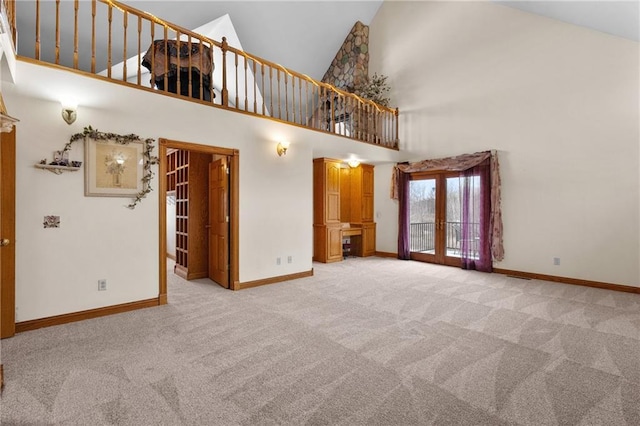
272,280
171,256
8,231
386,254
190,146
567,280
162,299
84,315
162,221
234,248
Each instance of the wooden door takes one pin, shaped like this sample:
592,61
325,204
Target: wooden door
7,233
435,218
219,222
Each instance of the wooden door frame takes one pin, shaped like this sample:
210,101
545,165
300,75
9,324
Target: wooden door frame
440,255
8,231
234,209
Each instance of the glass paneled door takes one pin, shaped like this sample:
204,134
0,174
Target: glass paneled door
435,218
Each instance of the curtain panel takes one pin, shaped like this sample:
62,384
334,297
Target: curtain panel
460,163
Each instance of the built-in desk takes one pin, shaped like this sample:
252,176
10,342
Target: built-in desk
342,208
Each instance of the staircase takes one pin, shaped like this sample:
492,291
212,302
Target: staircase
113,41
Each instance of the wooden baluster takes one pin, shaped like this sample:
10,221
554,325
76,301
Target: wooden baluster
236,72
75,33
225,92
246,86
322,114
200,75
152,82
139,50
293,97
37,54
93,36
57,32
125,23
213,67
306,102
279,97
189,82
211,46
271,112
300,100
167,59
255,89
263,91
396,142
178,65
286,96
110,18
332,94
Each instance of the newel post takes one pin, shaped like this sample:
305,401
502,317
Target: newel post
225,92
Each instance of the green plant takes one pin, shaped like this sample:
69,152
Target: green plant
375,89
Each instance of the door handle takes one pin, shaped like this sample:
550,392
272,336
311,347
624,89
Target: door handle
4,242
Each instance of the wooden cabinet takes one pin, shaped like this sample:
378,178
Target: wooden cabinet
368,239
342,206
187,174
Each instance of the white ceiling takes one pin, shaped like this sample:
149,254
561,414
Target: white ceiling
619,18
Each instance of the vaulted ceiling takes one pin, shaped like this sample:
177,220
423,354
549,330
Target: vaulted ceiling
305,35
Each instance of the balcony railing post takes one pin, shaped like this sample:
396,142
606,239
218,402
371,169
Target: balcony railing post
225,91
396,115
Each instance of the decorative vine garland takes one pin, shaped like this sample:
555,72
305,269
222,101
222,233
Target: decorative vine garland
149,160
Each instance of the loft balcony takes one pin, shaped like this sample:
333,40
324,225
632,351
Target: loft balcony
113,41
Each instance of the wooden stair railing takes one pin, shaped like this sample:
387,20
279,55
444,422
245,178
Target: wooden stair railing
196,67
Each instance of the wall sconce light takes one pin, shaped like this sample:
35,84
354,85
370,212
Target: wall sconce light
282,147
353,163
69,112
7,123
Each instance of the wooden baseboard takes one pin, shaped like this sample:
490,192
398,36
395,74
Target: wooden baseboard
387,254
566,280
83,315
272,280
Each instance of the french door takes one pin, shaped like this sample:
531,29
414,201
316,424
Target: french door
435,218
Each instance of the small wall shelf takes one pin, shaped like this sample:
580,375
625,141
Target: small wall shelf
58,170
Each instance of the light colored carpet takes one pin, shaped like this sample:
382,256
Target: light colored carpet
366,341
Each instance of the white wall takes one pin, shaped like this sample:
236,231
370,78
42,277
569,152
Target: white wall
58,269
559,102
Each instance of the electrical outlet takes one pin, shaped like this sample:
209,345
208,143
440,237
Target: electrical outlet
102,285
556,261
277,261
289,259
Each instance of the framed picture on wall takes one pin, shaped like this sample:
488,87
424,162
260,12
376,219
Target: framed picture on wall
113,169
